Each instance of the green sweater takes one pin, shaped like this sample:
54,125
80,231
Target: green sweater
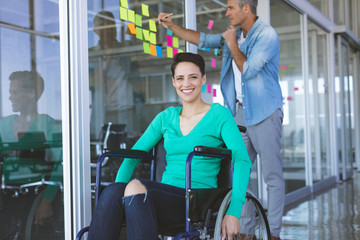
214,129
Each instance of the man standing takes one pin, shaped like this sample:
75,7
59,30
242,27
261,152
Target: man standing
251,90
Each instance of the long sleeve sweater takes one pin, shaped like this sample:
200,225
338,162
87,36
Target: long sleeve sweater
213,130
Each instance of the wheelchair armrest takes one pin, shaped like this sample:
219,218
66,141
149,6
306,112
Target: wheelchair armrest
212,152
118,153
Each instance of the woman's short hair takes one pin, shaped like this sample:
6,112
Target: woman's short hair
194,58
30,80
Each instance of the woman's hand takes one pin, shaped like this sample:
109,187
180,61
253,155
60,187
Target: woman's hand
43,211
230,227
166,20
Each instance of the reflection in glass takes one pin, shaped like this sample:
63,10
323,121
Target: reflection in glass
319,99
286,22
31,201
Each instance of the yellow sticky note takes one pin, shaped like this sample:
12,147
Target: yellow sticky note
146,35
139,34
153,50
123,13
145,10
132,29
124,3
169,52
180,51
138,20
146,47
175,42
152,25
153,38
131,15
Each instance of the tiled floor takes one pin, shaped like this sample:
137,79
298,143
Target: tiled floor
332,214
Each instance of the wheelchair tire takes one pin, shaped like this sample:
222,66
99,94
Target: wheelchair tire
260,230
31,215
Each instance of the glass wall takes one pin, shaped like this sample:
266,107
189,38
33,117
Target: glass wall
322,5
319,102
31,201
286,22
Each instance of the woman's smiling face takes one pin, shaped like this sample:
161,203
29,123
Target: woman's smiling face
188,81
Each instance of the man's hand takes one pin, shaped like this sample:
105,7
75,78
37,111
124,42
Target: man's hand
166,20
230,36
43,211
230,227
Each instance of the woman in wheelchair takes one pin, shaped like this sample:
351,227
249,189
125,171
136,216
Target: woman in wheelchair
146,204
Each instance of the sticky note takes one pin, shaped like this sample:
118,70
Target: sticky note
175,51
123,14
180,51
217,51
159,51
152,25
146,47
153,49
138,20
139,34
152,38
132,29
211,23
145,10
214,92
124,3
169,41
131,15
203,88
146,34
175,42
283,67
169,52
169,32
213,63
208,86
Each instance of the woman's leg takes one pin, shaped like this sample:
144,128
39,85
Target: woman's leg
150,205
108,214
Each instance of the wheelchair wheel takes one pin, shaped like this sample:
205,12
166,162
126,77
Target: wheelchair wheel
254,225
31,216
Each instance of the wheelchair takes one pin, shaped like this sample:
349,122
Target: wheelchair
205,208
24,175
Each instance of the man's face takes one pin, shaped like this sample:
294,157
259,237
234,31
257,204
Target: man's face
19,96
235,13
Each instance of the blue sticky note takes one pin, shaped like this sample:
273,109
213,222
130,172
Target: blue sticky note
203,88
169,32
159,51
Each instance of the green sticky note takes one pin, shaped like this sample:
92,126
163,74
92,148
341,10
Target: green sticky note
145,10
153,38
175,42
138,20
169,51
123,14
124,3
139,34
131,15
152,25
180,51
146,47
146,34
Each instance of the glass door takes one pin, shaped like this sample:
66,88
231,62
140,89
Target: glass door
343,102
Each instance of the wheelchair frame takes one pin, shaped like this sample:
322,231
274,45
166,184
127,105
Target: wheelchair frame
198,151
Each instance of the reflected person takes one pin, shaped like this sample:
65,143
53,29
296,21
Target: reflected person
27,127
111,91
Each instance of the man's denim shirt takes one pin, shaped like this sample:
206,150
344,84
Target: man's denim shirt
260,83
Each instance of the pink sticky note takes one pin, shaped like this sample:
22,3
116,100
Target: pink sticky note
296,89
169,40
213,63
289,98
211,23
214,92
175,51
208,88
283,67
